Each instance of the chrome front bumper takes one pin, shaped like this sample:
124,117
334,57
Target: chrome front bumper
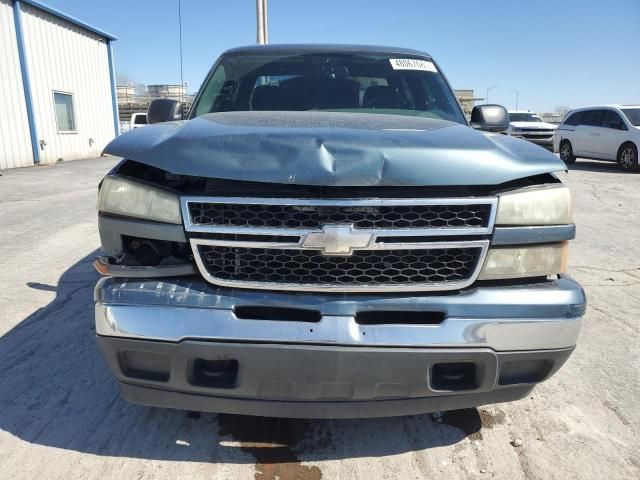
525,317
179,344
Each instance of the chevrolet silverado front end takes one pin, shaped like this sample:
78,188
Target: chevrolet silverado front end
371,255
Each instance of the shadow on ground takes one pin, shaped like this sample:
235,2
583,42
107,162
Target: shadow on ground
56,391
596,166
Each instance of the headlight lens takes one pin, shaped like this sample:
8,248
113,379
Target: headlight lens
519,262
549,205
125,197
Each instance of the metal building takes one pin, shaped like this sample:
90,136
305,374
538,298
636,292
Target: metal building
467,100
57,86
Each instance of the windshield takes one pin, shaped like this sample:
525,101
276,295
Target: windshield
633,115
524,117
348,82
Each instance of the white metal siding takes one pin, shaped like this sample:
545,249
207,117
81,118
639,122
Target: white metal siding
15,140
65,57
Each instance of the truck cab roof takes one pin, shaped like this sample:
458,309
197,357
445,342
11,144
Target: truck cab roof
334,48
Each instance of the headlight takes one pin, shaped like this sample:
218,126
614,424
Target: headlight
550,205
125,197
519,262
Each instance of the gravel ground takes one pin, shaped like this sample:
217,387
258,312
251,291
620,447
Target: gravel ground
61,416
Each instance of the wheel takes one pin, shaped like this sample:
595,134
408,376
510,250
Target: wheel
566,153
628,157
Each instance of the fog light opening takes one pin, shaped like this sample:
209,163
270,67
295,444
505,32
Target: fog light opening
214,373
454,376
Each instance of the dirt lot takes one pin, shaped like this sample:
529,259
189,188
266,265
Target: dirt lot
61,416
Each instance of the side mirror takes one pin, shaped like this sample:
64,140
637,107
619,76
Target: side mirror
164,110
491,118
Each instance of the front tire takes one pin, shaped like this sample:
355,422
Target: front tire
628,157
566,153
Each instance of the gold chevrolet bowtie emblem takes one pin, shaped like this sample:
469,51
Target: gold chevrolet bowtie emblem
337,240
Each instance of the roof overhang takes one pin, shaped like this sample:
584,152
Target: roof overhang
57,13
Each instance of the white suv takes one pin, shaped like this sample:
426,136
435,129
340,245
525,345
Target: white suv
609,132
530,126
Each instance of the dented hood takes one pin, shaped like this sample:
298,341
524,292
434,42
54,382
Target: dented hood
333,149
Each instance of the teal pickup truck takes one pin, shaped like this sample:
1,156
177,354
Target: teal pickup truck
326,236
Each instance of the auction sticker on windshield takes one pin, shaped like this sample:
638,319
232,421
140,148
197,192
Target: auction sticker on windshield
412,64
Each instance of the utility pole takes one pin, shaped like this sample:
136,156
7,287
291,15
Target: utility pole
181,76
517,95
486,98
261,18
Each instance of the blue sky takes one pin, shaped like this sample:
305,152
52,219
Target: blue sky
554,52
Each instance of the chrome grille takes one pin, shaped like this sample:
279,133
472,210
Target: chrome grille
538,136
344,245
540,131
364,267
316,216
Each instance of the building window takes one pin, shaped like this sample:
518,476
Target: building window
65,119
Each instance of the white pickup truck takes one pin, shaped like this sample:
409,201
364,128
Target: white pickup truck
138,120
530,126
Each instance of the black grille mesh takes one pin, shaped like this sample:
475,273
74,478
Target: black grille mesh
314,217
363,267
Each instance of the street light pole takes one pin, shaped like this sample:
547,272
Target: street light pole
517,95
486,98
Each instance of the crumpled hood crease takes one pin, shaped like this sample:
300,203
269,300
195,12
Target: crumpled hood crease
333,149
